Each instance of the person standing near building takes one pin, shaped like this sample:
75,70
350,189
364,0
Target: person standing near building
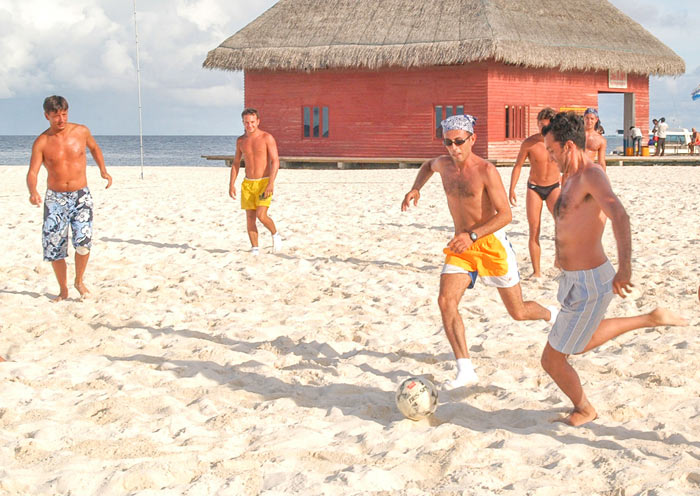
588,279
662,130
596,144
694,141
61,148
258,150
636,135
479,207
542,185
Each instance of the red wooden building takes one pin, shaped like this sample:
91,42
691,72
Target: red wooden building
373,78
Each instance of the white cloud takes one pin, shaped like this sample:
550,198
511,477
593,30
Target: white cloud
86,47
212,96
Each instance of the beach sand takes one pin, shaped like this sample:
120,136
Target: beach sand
198,369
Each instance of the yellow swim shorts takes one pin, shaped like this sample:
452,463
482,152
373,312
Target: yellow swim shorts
252,191
491,257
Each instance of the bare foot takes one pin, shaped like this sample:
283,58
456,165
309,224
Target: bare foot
82,290
535,275
665,317
580,416
61,296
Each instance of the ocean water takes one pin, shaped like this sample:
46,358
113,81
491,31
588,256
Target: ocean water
160,150
124,150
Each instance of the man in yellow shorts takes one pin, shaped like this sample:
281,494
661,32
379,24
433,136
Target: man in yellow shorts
480,211
259,151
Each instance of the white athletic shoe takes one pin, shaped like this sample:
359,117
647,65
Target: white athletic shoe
554,311
276,243
255,251
463,379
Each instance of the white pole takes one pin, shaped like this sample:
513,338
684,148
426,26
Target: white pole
138,81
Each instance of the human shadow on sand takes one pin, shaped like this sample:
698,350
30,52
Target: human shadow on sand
24,293
314,353
181,246
360,262
376,405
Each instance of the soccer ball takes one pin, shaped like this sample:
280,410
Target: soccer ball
416,398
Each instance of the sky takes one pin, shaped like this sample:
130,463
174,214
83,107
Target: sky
85,51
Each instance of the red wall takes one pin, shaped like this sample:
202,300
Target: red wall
389,113
539,88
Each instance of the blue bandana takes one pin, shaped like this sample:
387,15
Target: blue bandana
459,123
591,110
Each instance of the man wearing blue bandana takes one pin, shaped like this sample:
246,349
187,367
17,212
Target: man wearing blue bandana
595,143
480,211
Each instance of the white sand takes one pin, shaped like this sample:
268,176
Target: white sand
197,369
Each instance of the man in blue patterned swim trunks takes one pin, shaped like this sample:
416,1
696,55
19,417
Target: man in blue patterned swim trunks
61,148
589,280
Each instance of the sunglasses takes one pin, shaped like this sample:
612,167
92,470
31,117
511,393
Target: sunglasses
456,141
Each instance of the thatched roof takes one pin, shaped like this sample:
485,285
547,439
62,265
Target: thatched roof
566,34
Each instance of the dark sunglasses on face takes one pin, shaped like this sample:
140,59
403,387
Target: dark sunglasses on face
456,141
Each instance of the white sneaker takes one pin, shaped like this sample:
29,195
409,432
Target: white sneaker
554,311
255,251
276,243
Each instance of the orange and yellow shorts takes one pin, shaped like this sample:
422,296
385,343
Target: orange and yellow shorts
252,191
491,257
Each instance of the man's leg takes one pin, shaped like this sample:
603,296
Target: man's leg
80,265
612,328
522,310
252,228
556,364
452,287
59,268
559,369
261,213
270,225
533,206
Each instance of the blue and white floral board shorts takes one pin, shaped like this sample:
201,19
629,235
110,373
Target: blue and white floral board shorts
61,209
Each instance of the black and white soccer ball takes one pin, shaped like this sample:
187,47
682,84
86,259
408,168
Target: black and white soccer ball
417,398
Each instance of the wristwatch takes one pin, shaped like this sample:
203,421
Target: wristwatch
473,236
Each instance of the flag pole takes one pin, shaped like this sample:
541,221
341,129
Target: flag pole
138,83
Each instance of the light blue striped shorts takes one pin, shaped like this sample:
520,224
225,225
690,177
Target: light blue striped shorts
584,296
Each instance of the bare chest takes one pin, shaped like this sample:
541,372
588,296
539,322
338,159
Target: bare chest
460,186
253,148
68,150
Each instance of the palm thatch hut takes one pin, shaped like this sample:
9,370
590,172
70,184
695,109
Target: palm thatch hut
373,78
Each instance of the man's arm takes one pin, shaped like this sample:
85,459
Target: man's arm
273,163
601,191
234,169
96,153
502,217
601,152
515,175
35,162
424,173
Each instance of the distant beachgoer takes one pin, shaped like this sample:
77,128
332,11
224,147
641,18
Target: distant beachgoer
589,279
479,207
542,185
654,134
61,148
259,151
636,134
694,141
595,143
661,131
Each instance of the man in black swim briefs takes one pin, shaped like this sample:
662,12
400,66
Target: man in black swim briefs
542,185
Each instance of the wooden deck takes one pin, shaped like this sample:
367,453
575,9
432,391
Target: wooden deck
405,163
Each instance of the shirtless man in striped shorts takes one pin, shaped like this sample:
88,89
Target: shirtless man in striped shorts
589,280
